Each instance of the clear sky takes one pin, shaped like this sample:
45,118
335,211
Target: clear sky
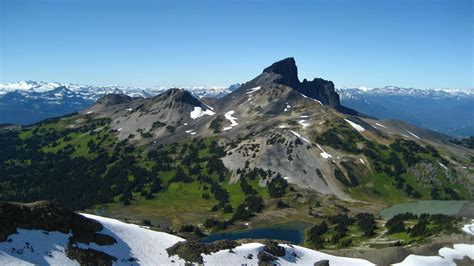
410,43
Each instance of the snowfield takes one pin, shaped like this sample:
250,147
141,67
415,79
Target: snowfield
198,112
138,245
446,256
355,125
304,256
35,247
148,246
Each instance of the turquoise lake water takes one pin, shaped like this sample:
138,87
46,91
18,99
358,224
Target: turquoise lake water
448,207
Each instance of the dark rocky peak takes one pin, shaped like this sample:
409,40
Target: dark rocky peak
323,90
320,89
113,99
287,71
177,96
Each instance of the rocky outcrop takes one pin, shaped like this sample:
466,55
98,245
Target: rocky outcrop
273,248
90,256
47,216
191,251
322,263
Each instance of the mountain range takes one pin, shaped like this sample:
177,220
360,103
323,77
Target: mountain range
27,102
448,111
444,110
275,150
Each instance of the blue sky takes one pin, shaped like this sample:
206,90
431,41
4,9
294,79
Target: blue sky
411,43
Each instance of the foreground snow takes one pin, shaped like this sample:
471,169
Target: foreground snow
137,245
446,256
35,247
295,255
147,246
469,228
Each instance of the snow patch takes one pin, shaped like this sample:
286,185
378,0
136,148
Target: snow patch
252,90
287,107
89,112
355,126
324,154
312,99
469,228
299,136
209,107
303,123
198,112
232,119
129,109
380,125
413,135
362,161
442,165
191,132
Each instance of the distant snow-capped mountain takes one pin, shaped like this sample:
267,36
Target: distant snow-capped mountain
26,102
392,90
449,111
95,92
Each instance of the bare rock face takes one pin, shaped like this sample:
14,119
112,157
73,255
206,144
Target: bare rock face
113,99
285,72
322,263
